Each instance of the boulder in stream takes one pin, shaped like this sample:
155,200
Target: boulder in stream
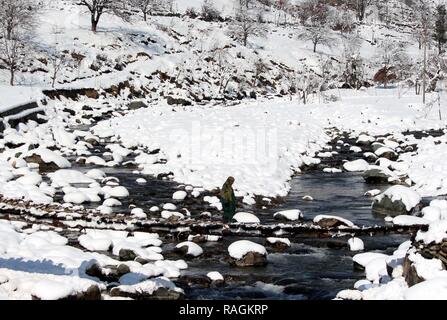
246,253
396,200
326,221
160,288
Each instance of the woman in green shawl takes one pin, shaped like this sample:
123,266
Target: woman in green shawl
228,200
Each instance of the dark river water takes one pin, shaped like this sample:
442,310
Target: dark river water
312,268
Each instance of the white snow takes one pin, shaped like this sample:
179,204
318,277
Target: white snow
193,248
65,177
291,215
49,156
405,220
273,240
409,197
320,217
433,289
356,244
170,206
138,213
150,286
364,259
437,231
215,276
356,165
179,195
240,248
246,217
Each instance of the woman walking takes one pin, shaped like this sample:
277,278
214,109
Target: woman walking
228,200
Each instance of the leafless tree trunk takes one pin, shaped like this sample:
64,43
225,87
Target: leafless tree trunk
12,53
15,15
98,7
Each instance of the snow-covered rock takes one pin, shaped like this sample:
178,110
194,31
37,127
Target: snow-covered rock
179,195
356,165
328,221
246,217
160,288
396,200
289,215
406,220
356,244
192,249
246,253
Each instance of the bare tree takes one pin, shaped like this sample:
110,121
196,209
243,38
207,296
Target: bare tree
245,25
360,6
147,7
423,18
58,62
16,14
260,67
99,7
439,33
209,11
13,52
393,60
317,24
220,57
351,63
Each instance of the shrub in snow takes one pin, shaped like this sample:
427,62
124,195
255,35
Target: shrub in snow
246,217
396,200
245,253
289,215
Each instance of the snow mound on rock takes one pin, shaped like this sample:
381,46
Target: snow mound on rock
409,197
239,249
291,215
246,217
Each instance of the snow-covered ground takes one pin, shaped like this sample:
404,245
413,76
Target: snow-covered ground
261,144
